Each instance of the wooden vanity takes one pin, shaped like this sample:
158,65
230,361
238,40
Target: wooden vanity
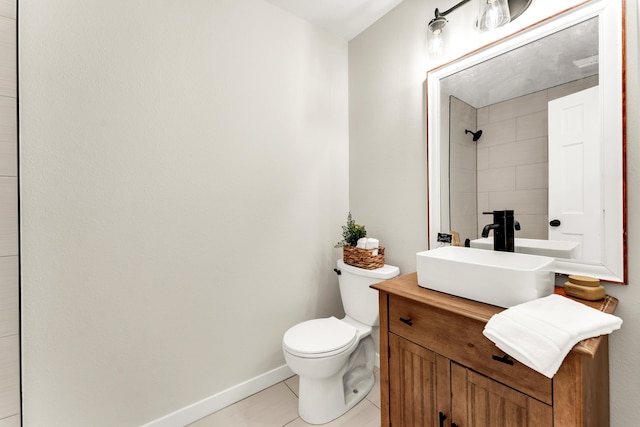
437,369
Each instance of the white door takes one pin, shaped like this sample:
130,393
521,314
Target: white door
575,172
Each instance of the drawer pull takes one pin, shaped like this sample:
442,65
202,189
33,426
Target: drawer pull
406,321
454,425
503,359
442,418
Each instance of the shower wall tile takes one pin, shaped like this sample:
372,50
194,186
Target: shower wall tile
9,260
463,169
8,296
482,221
533,226
463,156
10,374
520,147
533,125
496,133
8,216
467,229
7,57
501,179
483,116
464,181
517,107
511,157
462,111
8,137
532,176
11,421
8,8
515,140
522,202
483,206
519,153
483,202
459,137
483,158
463,204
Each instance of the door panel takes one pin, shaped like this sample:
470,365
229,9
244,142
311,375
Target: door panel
420,387
575,172
478,401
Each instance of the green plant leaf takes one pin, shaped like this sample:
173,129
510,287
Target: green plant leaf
351,233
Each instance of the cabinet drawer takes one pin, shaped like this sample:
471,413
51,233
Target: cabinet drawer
460,338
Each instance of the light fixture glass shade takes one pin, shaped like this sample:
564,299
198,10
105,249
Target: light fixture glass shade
435,44
493,14
436,38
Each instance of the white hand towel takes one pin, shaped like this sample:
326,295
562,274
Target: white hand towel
373,244
362,243
540,333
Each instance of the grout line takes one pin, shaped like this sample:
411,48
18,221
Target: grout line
292,391
295,419
295,395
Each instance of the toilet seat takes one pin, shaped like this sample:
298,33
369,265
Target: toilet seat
319,338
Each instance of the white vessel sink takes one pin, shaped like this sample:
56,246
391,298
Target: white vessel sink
498,278
551,248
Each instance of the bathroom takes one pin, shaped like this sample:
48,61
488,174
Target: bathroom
185,168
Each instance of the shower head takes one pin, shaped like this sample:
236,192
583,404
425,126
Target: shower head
476,135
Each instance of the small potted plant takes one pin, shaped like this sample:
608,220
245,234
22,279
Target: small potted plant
352,255
351,233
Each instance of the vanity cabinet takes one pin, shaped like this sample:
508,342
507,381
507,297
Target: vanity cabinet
437,369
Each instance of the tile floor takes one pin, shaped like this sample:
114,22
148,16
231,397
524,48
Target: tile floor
277,406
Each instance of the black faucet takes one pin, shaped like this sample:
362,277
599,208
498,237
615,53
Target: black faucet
503,230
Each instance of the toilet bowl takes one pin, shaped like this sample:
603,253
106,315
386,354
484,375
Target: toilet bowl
334,358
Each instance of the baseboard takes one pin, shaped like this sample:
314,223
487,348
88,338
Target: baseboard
197,410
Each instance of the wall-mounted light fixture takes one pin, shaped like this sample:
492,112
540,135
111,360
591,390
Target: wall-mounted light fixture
492,14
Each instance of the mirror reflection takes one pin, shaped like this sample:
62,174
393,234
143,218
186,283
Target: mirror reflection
534,125
499,139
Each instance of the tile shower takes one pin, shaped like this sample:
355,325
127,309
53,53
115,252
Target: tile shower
507,167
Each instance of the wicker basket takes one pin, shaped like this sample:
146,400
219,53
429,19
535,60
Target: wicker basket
363,258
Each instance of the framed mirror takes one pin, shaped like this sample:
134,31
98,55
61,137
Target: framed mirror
549,101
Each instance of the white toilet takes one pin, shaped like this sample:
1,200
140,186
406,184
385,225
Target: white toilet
334,357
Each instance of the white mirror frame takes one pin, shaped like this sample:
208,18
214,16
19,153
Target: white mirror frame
611,83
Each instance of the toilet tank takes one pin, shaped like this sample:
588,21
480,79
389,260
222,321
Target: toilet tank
360,302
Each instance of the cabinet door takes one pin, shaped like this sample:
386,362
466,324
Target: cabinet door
420,385
478,401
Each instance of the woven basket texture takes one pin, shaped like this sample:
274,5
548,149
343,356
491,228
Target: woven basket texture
363,258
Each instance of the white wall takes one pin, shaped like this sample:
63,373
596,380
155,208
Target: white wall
387,151
184,176
9,263
387,70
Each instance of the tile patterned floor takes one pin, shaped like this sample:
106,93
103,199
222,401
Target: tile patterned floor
277,406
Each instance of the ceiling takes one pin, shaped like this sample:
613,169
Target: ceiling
542,64
345,18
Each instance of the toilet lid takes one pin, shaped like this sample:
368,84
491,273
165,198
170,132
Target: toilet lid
319,336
